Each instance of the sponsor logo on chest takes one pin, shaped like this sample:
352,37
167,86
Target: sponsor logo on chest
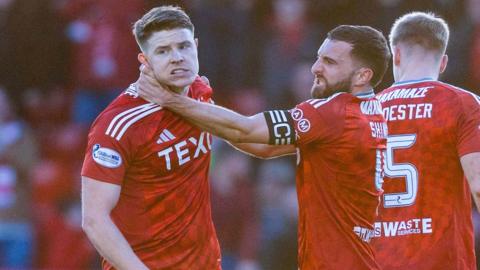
184,151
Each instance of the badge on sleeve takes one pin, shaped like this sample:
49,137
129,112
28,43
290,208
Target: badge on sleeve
106,157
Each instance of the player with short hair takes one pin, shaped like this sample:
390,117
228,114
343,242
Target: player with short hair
434,143
340,135
145,190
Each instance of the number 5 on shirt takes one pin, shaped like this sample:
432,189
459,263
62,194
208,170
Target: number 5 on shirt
401,170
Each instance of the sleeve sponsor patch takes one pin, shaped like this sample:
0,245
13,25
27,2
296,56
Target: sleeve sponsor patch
106,157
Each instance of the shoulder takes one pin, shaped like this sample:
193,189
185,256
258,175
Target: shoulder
461,94
335,100
325,109
124,113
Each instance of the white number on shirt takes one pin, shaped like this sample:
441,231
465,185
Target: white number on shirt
404,170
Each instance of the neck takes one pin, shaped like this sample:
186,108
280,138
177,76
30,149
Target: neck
358,90
180,91
416,67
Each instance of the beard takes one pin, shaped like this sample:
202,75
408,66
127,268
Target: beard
327,90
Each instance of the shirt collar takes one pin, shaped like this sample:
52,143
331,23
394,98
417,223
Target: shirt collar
367,94
427,79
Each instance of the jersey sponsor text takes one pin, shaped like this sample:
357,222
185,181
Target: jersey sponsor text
404,227
181,149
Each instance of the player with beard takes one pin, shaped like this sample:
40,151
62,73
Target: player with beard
340,135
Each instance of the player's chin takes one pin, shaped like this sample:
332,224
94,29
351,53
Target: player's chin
317,91
181,82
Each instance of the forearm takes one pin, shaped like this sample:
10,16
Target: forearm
471,168
217,120
111,244
265,151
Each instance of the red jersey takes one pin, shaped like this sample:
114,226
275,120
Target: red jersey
161,162
425,219
340,142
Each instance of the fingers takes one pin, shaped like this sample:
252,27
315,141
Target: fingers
205,80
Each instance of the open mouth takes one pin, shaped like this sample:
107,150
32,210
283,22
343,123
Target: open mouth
178,71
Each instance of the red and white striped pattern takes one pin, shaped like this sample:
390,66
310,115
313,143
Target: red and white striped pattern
120,123
316,103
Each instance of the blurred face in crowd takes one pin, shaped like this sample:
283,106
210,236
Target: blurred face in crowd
172,55
333,70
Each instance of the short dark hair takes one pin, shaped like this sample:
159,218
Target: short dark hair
423,29
369,47
158,19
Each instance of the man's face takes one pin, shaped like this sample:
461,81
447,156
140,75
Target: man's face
333,69
172,55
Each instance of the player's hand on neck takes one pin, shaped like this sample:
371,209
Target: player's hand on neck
150,89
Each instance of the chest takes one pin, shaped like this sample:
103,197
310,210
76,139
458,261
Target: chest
173,145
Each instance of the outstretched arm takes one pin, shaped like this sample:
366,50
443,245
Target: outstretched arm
217,120
471,169
265,151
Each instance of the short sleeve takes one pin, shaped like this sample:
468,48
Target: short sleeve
468,133
318,120
107,157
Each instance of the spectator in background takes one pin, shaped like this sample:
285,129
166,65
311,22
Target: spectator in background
36,51
289,38
278,214
473,8
104,52
4,9
17,155
234,208
228,37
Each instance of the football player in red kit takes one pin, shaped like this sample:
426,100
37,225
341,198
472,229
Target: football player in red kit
434,143
340,135
145,190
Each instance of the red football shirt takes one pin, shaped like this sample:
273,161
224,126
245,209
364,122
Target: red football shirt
425,219
161,162
340,142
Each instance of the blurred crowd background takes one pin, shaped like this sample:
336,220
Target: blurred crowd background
63,61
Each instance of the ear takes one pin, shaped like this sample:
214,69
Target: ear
196,42
443,63
396,56
363,76
143,60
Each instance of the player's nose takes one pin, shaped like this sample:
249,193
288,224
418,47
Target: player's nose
176,56
317,68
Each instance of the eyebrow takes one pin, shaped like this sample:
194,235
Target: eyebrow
328,58
163,47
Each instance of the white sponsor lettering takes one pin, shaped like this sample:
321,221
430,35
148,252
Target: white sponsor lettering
183,152
106,157
404,227
365,234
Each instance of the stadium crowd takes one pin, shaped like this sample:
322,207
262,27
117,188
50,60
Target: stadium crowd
63,61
